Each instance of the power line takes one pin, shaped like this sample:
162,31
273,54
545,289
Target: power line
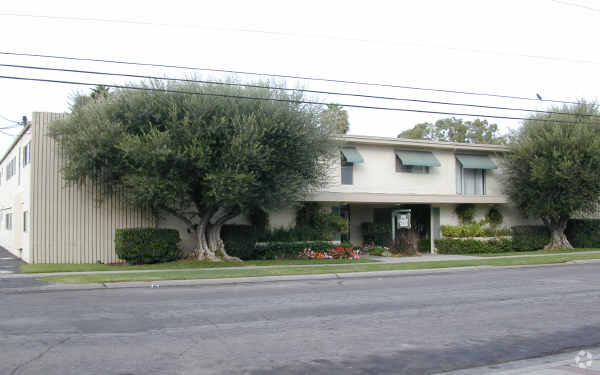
284,89
568,3
362,83
7,119
316,36
275,99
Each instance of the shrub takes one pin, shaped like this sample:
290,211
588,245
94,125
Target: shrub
294,234
465,212
472,230
378,234
529,237
346,244
494,217
470,246
289,250
147,245
240,240
583,232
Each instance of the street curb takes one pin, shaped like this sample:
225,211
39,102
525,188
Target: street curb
272,279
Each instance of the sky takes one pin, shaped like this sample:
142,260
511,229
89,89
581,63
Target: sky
510,47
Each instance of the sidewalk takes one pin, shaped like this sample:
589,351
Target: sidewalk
568,363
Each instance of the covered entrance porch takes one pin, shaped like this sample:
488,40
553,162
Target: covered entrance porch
389,224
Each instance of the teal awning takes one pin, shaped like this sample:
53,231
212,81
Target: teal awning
418,158
352,155
476,162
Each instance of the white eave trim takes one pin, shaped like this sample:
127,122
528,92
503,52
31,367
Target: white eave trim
374,198
417,143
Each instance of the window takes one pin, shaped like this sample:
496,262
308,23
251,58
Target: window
347,172
421,169
469,181
27,154
11,168
8,221
25,221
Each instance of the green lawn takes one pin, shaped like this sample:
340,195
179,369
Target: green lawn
216,274
536,252
181,264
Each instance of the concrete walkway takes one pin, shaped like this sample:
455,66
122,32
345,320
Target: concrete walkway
376,260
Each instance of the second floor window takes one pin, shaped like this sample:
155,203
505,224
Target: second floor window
11,168
8,221
347,172
26,154
470,181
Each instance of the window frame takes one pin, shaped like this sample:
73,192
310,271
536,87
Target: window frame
8,221
460,180
347,166
27,154
415,169
25,221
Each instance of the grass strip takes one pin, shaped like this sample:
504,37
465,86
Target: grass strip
536,252
180,264
216,274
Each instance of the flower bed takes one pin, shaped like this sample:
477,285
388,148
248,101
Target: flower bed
335,253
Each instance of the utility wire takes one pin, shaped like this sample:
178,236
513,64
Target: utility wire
284,89
9,120
274,99
568,3
317,36
362,83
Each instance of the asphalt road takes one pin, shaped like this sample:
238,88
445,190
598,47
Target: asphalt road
396,325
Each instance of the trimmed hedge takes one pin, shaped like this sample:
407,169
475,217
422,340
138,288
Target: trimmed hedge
529,237
240,240
283,250
583,232
469,246
147,245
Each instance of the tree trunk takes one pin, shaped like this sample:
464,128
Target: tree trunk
558,238
214,236
204,251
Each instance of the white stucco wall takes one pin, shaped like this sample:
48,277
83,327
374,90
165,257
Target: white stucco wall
15,198
510,214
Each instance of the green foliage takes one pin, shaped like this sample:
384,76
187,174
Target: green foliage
240,240
294,234
172,151
472,230
584,233
380,252
335,118
147,245
328,224
456,130
289,250
553,169
346,245
465,212
469,246
259,219
529,237
494,217
379,234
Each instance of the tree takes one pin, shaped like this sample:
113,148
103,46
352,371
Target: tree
553,169
336,118
204,159
456,130
99,92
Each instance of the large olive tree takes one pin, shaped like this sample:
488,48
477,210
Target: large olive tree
553,168
198,154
